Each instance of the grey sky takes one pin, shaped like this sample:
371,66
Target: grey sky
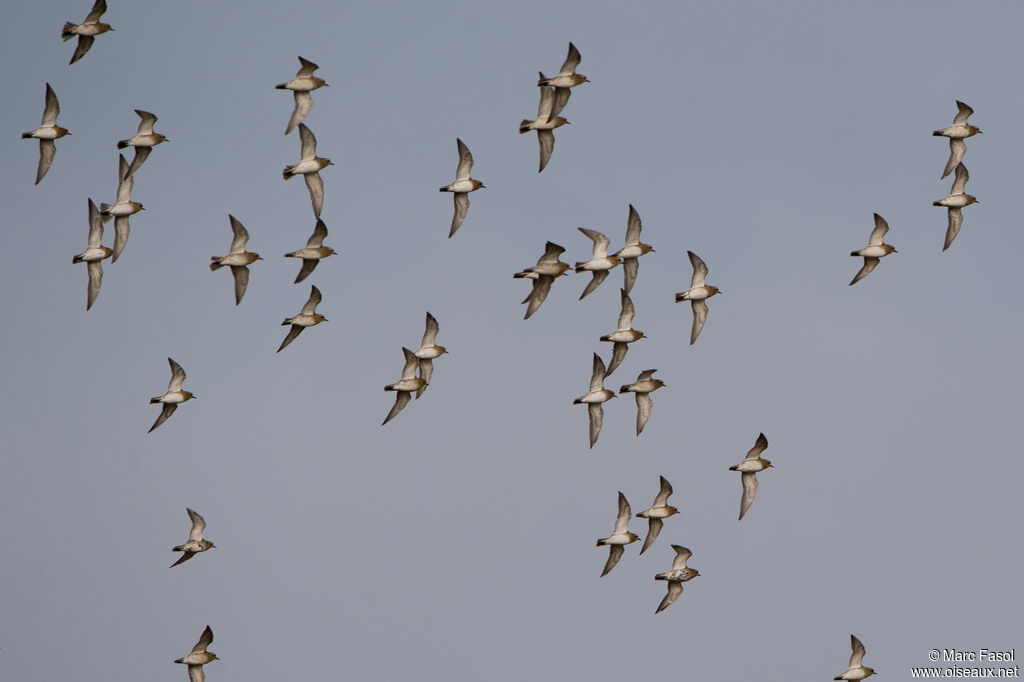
457,542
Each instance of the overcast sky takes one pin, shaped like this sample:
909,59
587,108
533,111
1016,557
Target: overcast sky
457,542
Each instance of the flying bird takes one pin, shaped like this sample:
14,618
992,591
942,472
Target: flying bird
199,657
143,141
303,83
642,388
619,538
566,76
309,167
956,200
312,252
552,101
307,317
678,575
623,335
408,384
874,251
661,509
195,543
428,351
600,262
632,250
237,259
173,397
748,469
856,670
46,133
543,274
594,397
697,295
122,208
94,253
462,186
86,31
957,133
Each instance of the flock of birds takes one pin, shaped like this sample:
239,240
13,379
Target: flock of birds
417,369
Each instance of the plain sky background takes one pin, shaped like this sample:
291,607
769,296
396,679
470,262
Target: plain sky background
457,542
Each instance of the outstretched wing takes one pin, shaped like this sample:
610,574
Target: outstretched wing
700,270
749,481
878,234
312,302
675,588
177,376
465,161
614,554
760,445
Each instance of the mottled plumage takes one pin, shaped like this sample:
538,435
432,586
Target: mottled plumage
675,577
195,543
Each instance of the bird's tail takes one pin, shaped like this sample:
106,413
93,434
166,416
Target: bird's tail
524,126
154,400
544,81
215,263
121,144
287,172
68,32
937,133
